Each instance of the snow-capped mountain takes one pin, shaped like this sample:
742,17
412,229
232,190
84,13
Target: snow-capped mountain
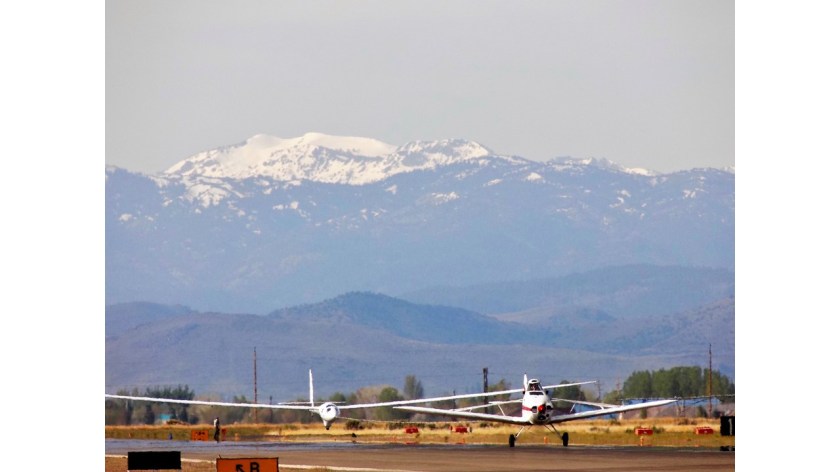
324,158
272,221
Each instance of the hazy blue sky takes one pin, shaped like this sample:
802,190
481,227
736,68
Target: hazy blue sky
645,83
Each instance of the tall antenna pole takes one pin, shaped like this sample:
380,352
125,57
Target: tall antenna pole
255,383
710,380
484,371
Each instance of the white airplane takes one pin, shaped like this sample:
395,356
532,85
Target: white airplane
328,411
536,409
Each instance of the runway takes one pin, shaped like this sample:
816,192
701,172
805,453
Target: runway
461,457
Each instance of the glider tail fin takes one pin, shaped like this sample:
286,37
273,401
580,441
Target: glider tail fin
311,391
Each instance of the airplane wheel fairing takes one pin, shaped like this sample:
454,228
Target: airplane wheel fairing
512,440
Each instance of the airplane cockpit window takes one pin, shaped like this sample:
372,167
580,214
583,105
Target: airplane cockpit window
534,386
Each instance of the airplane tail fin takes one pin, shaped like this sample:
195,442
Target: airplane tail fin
311,391
525,382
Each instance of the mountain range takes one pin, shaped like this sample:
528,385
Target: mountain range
368,262
272,222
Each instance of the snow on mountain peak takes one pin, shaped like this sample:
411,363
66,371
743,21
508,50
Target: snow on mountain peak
263,141
565,162
360,146
460,148
324,158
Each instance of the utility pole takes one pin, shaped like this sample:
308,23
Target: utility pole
710,380
620,396
486,409
255,384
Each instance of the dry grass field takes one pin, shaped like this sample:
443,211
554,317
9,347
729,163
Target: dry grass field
677,432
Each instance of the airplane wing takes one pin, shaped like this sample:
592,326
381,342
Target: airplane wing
546,387
609,411
307,406
289,406
465,414
299,406
580,402
450,397
488,405
210,403
518,420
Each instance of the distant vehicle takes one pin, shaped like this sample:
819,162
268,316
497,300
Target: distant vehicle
536,409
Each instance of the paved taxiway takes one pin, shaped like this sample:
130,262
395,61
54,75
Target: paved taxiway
401,457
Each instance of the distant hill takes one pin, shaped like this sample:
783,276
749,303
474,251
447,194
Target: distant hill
632,291
434,323
362,339
122,317
686,333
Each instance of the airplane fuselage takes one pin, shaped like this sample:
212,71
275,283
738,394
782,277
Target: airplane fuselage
328,412
536,404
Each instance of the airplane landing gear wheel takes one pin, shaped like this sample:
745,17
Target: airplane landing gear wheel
512,440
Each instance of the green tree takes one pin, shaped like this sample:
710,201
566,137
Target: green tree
338,397
390,394
662,383
119,412
678,382
682,382
358,414
638,385
296,416
148,414
573,392
226,414
615,397
413,388
499,386
237,415
722,387
177,411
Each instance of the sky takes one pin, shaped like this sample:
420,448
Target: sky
644,83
